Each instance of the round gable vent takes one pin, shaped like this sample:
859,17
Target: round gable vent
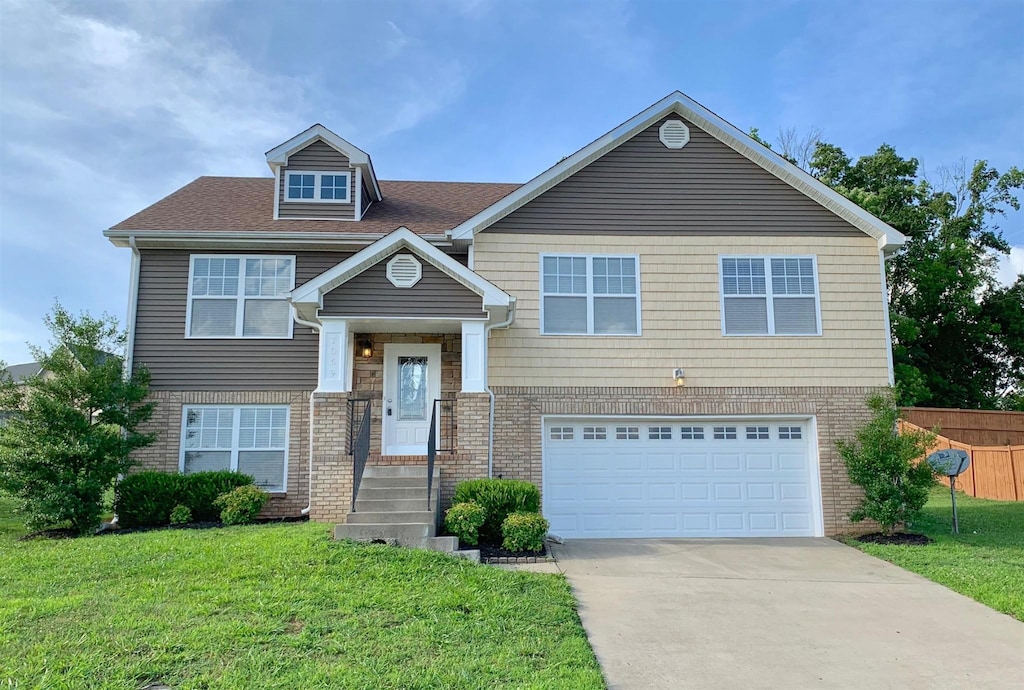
404,271
674,134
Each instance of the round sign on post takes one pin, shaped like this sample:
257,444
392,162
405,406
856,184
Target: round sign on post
951,463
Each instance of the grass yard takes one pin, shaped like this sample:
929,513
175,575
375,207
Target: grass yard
985,561
276,606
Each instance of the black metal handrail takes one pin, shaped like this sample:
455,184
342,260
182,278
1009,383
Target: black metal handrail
360,451
355,407
440,405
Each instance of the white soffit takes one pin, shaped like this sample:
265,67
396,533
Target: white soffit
888,238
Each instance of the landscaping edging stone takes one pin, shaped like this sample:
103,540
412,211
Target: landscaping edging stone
502,560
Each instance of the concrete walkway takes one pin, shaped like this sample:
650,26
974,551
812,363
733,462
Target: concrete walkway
780,613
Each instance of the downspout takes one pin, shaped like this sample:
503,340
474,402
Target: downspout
490,417
309,480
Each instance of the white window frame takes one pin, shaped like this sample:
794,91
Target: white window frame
240,298
317,179
769,295
236,427
589,295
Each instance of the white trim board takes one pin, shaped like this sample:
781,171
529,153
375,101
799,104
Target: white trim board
888,238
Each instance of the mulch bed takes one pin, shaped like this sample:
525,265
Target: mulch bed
496,554
65,533
898,539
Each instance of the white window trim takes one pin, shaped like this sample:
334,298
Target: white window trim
240,297
769,295
235,432
317,175
589,295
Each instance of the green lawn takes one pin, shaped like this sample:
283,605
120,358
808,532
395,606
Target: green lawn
985,561
277,606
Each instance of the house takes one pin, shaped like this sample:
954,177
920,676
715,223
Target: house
666,331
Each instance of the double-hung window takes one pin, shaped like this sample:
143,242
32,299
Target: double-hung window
590,295
770,295
240,296
251,439
312,186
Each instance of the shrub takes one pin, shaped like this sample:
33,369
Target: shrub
146,499
524,532
888,466
241,505
181,515
498,498
464,521
201,490
74,429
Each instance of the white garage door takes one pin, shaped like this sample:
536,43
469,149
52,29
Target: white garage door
680,478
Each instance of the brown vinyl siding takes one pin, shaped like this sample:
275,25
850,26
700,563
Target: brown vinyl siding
371,294
178,363
318,156
366,198
642,187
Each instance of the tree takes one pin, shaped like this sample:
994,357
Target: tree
74,425
956,333
885,463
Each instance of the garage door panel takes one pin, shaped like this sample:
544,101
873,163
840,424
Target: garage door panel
689,461
724,479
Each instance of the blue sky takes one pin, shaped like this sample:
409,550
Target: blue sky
107,107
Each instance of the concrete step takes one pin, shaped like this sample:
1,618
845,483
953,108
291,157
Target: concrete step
389,493
442,544
392,505
399,471
391,516
471,555
396,482
404,534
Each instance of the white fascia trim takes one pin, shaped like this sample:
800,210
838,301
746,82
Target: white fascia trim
311,293
120,238
356,156
888,238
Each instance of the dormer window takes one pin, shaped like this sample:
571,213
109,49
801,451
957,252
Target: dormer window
312,186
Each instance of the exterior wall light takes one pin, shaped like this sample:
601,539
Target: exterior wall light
366,349
680,377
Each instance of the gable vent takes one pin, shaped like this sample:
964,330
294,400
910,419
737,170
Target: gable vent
674,134
404,271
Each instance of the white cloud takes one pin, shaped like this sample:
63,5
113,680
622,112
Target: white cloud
1011,266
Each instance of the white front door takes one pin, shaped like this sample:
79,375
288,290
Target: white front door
412,381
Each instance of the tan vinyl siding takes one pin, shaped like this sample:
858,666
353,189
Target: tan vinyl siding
681,318
177,363
318,156
371,294
643,187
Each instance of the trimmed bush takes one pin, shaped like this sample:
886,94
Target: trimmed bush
201,490
146,499
524,532
241,505
499,498
181,515
464,521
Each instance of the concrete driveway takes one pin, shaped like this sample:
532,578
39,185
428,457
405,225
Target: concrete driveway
780,613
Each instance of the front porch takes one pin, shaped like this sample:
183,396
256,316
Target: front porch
402,325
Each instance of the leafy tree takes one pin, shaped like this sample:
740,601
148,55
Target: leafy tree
956,332
885,464
73,426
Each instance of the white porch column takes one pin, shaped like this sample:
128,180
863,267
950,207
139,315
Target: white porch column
335,356
474,357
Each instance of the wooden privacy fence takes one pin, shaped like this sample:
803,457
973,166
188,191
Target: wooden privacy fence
996,472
